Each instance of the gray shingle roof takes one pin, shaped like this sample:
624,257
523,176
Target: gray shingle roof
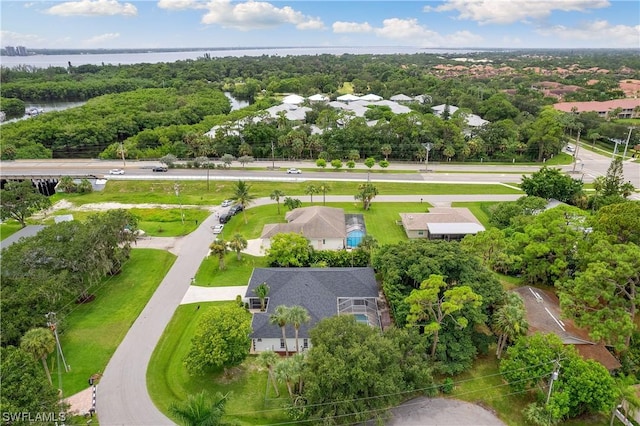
312,222
316,289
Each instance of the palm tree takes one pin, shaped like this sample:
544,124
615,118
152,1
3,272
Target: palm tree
298,316
219,248
280,317
285,371
242,196
311,189
238,243
368,244
324,187
386,150
367,192
200,410
276,195
510,321
262,291
39,342
268,359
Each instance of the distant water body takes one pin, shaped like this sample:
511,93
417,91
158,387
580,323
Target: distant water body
151,57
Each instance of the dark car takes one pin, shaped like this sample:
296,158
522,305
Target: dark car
225,218
235,209
160,169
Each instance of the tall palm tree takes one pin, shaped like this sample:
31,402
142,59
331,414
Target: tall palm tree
368,244
242,196
262,291
311,189
238,243
280,317
200,410
324,187
276,195
510,322
219,249
269,359
298,316
39,342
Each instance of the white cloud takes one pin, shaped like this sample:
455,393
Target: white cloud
596,31
351,27
256,15
180,4
510,11
10,38
93,8
412,32
100,39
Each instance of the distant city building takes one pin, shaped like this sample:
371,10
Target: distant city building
16,51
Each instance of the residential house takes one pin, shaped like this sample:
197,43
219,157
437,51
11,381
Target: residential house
472,120
323,292
441,223
545,316
626,108
324,227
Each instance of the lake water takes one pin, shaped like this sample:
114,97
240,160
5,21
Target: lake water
45,61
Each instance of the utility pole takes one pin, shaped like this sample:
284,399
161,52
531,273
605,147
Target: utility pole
627,144
176,187
124,163
273,161
554,377
575,154
53,326
427,146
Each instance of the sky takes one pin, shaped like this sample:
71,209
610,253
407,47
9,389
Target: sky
117,24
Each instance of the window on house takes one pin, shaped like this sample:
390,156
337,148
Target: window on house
305,343
420,232
281,343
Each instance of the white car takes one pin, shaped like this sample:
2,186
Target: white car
226,203
116,172
294,171
217,228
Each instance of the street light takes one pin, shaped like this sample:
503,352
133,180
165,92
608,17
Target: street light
273,161
427,146
627,144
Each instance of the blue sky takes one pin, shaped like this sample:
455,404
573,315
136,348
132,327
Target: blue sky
255,23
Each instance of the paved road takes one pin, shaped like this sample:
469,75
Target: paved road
588,166
122,394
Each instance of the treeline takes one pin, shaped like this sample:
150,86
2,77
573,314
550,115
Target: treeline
151,110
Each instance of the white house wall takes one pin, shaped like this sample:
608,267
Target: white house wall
261,345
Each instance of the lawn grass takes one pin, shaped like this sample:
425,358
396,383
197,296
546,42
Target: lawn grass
236,272
168,380
480,209
195,192
154,222
9,228
91,332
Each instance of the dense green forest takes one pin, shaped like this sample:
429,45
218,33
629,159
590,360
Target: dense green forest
151,110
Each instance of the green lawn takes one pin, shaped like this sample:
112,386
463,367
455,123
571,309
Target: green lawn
91,332
154,222
380,219
195,192
236,272
9,228
168,380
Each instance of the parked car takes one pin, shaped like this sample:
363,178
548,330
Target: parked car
225,218
217,228
116,172
294,171
570,148
235,209
226,203
160,169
